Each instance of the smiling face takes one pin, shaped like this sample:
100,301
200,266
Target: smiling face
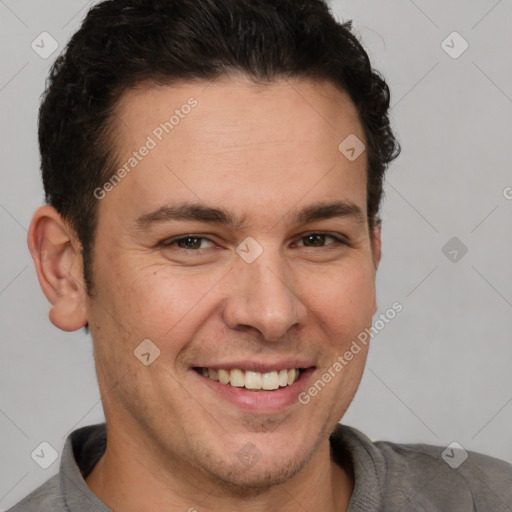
238,245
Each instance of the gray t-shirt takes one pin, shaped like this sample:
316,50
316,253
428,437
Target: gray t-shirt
389,477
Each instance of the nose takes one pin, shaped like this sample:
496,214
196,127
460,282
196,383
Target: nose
263,295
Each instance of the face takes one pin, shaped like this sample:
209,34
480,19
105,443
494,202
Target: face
238,245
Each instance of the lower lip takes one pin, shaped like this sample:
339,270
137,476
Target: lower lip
262,402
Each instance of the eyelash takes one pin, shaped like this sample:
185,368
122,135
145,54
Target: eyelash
339,241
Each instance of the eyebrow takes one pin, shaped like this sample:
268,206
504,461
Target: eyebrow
221,216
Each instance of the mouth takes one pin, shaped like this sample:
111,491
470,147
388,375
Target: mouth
252,380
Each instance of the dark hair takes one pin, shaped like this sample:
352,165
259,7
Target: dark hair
123,43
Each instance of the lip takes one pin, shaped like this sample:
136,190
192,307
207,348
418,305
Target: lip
257,402
255,366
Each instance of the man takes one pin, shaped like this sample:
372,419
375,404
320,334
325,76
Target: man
213,171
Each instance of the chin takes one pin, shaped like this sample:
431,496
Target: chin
256,476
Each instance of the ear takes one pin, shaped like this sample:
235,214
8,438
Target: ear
376,244
57,257
376,254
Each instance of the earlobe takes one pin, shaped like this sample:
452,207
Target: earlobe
58,262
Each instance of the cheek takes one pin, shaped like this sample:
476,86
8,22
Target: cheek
158,303
344,298
135,304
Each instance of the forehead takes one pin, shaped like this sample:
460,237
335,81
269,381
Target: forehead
231,139
239,105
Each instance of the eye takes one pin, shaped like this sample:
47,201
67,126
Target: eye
318,240
197,243
187,242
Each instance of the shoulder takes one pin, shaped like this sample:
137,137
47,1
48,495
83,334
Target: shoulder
429,477
67,489
46,497
449,475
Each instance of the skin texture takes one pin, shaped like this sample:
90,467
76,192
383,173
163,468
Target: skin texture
263,152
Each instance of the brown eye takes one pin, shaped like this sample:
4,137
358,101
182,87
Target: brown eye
187,242
314,240
319,240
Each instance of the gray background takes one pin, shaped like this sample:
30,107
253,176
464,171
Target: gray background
440,371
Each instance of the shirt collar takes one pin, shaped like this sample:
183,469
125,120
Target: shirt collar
82,450
368,465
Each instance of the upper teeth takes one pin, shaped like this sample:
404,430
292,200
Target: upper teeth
253,380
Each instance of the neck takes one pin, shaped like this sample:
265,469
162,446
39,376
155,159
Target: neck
129,477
